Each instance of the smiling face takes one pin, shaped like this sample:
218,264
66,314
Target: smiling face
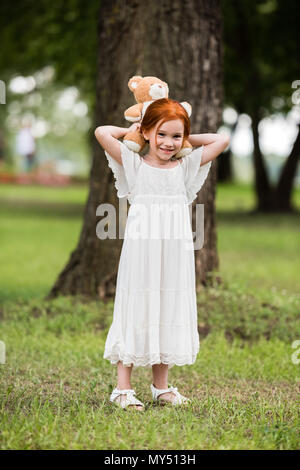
169,137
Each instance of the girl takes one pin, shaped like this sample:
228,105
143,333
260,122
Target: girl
155,309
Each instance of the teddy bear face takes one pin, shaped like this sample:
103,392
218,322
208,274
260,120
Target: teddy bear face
148,88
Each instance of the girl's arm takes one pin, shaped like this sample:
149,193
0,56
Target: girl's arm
107,137
214,145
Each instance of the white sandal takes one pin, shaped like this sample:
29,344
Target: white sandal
177,400
130,399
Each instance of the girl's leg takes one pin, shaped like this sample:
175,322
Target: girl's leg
160,375
160,380
124,375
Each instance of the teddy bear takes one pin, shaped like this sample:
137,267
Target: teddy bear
146,90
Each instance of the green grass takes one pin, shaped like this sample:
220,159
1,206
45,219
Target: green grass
259,250
31,257
55,387
55,384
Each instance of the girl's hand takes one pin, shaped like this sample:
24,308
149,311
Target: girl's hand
134,127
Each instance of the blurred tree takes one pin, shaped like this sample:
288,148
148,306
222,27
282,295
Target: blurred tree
61,33
261,40
131,41
261,60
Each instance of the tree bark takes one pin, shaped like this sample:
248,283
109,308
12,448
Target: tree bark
277,198
262,186
286,180
179,42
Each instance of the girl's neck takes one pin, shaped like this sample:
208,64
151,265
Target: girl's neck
154,160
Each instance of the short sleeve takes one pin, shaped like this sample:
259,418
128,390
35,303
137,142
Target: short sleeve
125,175
195,175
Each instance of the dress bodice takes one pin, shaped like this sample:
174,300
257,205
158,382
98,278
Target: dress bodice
136,177
159,181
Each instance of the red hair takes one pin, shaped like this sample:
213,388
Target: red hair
167,110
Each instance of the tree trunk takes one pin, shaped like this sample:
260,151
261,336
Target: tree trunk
286,180
274,199
179,42
225,169
262,186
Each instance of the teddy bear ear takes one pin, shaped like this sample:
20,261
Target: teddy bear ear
134,81
187,107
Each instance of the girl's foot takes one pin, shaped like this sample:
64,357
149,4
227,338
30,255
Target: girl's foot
122,398
126,398
168,395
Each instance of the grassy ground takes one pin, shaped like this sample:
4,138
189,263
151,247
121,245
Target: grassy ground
55,385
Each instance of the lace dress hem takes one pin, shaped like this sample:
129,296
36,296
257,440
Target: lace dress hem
149,360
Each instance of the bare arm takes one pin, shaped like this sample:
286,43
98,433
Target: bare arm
107,137
214,145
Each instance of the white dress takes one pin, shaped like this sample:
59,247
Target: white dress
155,307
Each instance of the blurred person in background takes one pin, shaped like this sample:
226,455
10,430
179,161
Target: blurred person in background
25,144
2,149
